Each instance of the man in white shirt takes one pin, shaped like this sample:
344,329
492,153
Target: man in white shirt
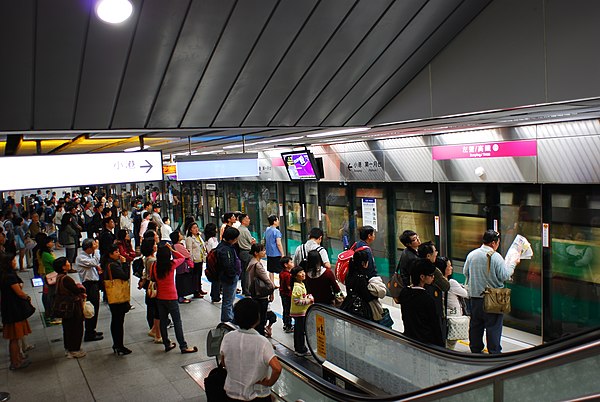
88,266
315,237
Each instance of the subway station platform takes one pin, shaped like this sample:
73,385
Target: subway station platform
148,374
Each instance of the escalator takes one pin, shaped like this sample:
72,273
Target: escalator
357,360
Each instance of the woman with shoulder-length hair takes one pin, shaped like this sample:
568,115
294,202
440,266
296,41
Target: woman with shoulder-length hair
320,281
14,319
166,298
113,267
68,291
256,269
195,245
148,249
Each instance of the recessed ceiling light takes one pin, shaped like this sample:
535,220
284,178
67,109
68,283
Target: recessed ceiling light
114,11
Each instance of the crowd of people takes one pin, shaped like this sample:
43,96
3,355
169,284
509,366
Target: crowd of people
100,239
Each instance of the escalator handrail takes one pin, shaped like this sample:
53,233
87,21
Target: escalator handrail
579,346
467,358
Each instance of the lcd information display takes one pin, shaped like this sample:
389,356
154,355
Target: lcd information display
300,165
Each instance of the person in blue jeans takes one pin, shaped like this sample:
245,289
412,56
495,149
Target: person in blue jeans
230,267
274,246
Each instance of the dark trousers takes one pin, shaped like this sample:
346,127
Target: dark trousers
197,277
92,289
286,303
151,311
72,333
480,320
117,321
263,305
299,345
245,257
71,254
166,308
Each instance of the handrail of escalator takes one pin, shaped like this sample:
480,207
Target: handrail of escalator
468,358
566,351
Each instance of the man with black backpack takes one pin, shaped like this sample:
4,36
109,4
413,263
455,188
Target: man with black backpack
315,237
229,268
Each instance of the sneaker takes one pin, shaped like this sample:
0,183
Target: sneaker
288,330
302,354
216,301
76,355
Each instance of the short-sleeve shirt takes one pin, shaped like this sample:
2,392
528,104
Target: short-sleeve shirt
271,236
247,356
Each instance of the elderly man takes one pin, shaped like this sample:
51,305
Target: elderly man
483,268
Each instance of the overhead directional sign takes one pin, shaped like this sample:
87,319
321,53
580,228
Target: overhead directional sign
49,171
204,167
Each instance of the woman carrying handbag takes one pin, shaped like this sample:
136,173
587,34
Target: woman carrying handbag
69,297
116,283
258,273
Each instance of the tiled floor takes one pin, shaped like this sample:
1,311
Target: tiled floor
148,374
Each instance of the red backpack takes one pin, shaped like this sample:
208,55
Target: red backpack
212,266
343,261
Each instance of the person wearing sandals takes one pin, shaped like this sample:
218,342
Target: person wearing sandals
15,327
167,297
113,261
148,249
66,288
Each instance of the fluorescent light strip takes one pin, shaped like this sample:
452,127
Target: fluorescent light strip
336,132
136,148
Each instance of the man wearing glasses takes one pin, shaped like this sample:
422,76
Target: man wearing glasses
411,242
483,268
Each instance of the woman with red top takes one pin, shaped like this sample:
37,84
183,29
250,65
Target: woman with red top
183,274
320,281
167,297
125,248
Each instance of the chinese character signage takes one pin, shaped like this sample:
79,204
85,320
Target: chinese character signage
505,149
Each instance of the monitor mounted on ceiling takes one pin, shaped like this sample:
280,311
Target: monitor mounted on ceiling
301,165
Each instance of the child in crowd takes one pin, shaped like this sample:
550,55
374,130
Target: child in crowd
300,302
271,319
285,291
165,231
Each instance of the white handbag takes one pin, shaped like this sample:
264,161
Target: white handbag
458,327
88,310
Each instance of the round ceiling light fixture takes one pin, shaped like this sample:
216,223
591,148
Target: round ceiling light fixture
114,11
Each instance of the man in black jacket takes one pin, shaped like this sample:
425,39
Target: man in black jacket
229,266
411,242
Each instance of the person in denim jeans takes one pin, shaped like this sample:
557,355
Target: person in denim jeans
230,267
167,297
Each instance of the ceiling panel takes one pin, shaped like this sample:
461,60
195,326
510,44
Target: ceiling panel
60,36
105,58
368,52
155,38
201,31
288,18
311,41
418,60
16,66
416,33
351,33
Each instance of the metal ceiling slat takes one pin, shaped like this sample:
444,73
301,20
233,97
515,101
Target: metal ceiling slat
105,59
447,31
61,32
159,26
201,31
425,22
315,34
353,31
243,29
368,53
17,19
287,22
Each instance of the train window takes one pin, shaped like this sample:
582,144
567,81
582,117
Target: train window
415,210
468,221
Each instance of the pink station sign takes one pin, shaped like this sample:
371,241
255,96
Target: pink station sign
504,149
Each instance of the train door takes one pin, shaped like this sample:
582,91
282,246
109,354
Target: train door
371,208
571,270
214,203
294,222
249,204
268,204
416,208
336,219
